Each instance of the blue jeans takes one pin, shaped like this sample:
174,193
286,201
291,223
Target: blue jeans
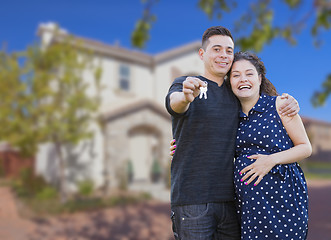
206,221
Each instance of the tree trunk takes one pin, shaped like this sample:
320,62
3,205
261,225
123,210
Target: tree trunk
106,174
62,182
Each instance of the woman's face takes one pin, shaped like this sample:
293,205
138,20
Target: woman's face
245,80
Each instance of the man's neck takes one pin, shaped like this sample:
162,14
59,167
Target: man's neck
217,79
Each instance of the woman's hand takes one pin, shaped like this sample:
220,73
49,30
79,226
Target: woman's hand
258,169
172,147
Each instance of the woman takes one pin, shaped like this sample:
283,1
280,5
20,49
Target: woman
270,187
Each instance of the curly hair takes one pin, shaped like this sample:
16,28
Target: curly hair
266,86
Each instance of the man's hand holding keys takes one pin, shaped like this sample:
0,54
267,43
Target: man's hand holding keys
191,88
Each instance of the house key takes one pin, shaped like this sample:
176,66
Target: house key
203,91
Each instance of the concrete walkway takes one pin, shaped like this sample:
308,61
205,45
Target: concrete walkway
12,226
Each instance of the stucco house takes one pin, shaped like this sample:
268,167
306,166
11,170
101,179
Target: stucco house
137,126
319,133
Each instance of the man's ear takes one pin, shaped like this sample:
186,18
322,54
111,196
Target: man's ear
201,52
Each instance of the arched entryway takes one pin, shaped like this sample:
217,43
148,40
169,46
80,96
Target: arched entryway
144,151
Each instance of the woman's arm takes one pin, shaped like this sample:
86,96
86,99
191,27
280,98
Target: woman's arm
296,131
301,150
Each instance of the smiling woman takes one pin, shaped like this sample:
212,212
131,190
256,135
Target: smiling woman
245,82
268,147
248,79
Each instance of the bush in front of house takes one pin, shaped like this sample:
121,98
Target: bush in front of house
156,171
85,188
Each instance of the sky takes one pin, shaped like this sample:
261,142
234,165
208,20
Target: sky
298,70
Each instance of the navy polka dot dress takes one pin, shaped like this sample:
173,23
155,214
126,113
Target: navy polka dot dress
277,208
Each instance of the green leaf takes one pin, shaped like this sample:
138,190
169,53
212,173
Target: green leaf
140,34
319,97
293,3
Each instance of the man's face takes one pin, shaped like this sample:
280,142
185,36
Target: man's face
217,56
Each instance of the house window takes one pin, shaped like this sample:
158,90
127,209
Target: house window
124,77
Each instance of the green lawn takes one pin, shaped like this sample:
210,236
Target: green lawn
316,170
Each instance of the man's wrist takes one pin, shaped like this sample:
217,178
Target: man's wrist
178,102
184,99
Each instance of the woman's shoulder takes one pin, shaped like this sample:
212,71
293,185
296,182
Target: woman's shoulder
267,100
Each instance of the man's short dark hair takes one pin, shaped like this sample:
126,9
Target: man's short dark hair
217,30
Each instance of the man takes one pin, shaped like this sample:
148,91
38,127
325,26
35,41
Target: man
202,191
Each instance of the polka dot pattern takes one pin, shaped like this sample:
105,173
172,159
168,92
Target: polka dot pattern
277,208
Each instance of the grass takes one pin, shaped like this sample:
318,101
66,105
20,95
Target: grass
318,176
34,207
37,197
317,170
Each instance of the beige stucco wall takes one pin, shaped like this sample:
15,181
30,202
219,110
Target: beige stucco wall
141,84
185,64
149,124
320,137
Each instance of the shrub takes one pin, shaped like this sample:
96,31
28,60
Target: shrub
122,177
47,193
28,184
85,188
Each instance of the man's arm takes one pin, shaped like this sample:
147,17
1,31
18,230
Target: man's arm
180,101
289,107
